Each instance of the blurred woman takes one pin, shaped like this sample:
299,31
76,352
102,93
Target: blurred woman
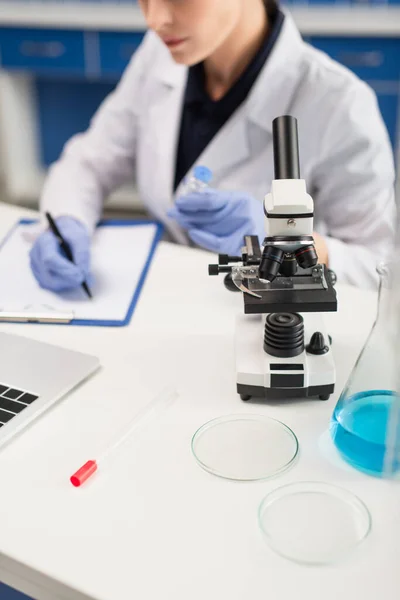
204,88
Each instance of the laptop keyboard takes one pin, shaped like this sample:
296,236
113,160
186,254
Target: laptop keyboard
12,402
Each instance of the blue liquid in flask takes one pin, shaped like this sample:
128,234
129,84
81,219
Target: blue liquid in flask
359,430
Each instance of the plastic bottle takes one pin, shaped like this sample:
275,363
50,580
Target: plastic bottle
197,181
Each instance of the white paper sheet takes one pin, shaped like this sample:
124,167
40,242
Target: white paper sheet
119,255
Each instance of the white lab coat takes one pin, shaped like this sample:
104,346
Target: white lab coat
345,153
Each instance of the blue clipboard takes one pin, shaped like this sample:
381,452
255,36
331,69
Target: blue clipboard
107,223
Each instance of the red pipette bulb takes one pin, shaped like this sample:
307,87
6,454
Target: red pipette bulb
161,401
84,473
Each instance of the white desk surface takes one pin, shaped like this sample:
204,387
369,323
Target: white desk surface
153,525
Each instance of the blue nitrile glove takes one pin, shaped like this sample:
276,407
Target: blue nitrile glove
50,267
219,220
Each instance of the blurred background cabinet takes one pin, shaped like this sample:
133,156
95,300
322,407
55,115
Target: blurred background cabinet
71,53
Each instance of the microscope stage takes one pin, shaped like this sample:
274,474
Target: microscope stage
311,292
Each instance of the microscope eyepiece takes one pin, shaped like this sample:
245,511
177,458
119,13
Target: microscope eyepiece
286,148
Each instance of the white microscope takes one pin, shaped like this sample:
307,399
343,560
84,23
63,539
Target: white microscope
282,347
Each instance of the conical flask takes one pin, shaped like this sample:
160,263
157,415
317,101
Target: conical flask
392,456
365,424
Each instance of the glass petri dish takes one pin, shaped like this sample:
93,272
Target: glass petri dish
245,447
313,523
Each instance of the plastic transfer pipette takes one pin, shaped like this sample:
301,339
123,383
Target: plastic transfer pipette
161,402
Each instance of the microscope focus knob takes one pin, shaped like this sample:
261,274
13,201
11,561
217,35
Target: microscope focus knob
213,270
217,269
317,344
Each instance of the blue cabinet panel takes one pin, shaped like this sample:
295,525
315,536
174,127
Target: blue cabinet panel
42,51
116,50
7,593
369,58
376,61
65,108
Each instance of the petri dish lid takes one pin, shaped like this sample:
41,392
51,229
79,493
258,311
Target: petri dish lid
245,447
313,523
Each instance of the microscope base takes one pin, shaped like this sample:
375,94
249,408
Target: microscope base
260,375
247,392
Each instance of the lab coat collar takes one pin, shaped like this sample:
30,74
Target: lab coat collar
272,96
282,66
275,88
232,144
165,69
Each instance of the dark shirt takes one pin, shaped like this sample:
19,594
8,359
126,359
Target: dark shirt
202,117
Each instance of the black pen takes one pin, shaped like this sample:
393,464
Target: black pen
65,247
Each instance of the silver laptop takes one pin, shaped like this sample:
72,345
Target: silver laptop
33,376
